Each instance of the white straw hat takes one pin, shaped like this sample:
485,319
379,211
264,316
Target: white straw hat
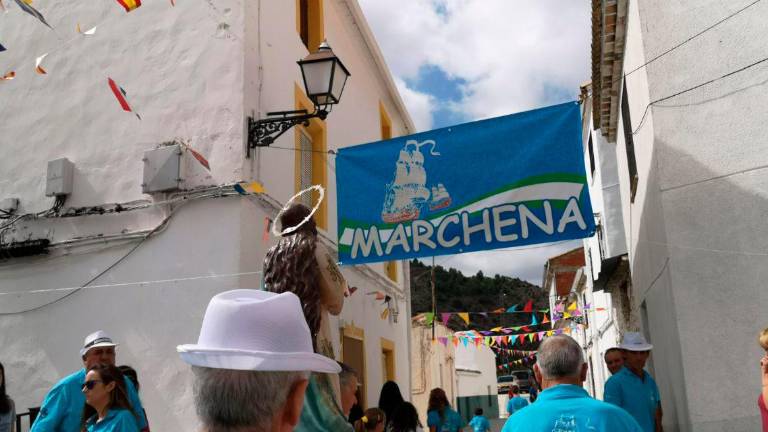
256,330
634,341
99,338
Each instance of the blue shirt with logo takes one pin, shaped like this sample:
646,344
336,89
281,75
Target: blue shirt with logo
639,397
451,421
63,406
480,424
516,404
116,420
568,408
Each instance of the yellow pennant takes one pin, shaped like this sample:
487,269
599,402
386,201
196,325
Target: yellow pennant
464,316
572,306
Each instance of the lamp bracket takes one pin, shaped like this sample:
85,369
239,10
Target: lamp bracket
263,132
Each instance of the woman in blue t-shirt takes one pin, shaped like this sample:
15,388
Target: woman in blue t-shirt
440,416
107,408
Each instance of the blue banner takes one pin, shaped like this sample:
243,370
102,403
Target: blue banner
508,181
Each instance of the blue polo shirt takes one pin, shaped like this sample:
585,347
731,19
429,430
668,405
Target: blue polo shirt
567,407
116,420
639,397
63,405
516,404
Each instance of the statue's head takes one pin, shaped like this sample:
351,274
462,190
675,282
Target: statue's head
293,216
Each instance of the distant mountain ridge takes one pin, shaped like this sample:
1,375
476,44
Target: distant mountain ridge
455,292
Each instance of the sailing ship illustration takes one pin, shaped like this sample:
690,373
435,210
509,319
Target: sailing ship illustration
408,193
440,198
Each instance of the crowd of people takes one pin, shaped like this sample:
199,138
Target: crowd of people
236,362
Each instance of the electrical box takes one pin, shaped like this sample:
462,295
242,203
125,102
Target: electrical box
162,169
59,179
9,205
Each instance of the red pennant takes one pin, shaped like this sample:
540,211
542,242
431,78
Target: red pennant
200,158
528,306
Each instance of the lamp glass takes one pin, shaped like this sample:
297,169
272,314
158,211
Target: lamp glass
317,78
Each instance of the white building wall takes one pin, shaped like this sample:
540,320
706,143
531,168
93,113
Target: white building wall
194,72
696,228
602,332
476,370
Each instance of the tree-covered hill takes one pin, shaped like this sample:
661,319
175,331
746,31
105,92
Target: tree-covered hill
455,292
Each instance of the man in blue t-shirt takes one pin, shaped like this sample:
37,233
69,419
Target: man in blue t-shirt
63,406
632,388
563,405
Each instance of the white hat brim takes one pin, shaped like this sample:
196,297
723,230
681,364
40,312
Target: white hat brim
219,358
84,351
637,347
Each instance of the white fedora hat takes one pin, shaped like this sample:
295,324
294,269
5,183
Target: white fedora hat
634,341
99,338
256,330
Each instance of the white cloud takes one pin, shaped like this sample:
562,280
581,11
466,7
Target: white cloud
420,105
512,54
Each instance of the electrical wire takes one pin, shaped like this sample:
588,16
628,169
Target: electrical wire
691,38
741,69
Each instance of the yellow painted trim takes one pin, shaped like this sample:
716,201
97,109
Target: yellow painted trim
317,130
353,332
388,345
315,22
385,121
357,333
390,268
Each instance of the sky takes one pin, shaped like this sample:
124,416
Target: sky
456,61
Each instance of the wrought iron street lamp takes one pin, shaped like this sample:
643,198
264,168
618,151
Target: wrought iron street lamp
324,78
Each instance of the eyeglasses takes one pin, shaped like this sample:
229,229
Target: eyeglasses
90,384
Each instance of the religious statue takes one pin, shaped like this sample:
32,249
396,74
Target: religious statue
299,263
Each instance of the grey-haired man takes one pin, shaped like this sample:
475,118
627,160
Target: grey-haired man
252,361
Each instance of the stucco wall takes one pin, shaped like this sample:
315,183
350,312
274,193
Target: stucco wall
696,228
193,71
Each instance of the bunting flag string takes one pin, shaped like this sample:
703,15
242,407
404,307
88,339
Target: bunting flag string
26,7
2,48
247,188
130,5
38,68
121,95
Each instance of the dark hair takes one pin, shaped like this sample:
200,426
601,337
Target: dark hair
614,349
130,373
5,401
479,411
514,389
290,266
118,397
390,399
405,418
371,419
438,401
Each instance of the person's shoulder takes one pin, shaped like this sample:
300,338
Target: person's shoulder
76,377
